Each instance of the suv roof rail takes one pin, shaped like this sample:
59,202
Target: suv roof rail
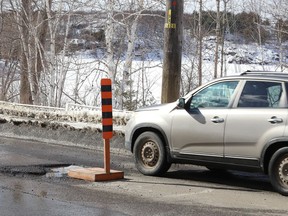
249,72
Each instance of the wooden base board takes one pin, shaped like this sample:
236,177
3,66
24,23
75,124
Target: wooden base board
95,174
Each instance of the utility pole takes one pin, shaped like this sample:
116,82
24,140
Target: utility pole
172,51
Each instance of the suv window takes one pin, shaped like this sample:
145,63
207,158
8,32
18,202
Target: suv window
216,95
260,94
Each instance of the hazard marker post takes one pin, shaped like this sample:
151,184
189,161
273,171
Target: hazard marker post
100,174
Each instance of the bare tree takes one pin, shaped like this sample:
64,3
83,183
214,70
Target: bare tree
200,43
122,20
278,10
225,30
218,38
9,52
55,73
131,40
25,17
30,18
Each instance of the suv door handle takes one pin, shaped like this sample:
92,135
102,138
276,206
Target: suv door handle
216,119
275,120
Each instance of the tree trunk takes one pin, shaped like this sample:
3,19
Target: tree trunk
218,39
40,41
131,34
63,68
200,43
109,32
51,57
25,88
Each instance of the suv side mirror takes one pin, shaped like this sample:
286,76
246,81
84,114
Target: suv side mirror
181,103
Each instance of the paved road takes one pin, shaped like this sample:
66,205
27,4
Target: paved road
28,186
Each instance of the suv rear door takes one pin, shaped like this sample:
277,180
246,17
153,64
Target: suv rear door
257,117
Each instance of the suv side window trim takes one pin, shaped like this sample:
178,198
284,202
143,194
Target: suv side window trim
285,95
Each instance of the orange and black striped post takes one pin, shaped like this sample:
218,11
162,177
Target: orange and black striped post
107,116
100,174
107,120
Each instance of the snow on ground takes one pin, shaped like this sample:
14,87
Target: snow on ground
147,75
53,118
147,79
150,72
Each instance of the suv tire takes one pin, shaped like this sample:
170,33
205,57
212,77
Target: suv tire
278,171
150,154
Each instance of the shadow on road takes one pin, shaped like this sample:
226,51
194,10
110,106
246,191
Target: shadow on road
228,180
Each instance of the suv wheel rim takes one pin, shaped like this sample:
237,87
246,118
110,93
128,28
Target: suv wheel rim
283,171
150,154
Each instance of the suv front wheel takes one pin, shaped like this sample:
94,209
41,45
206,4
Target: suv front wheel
278,171
150,154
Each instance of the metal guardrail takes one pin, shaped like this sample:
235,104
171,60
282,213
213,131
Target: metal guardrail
10,105
78,107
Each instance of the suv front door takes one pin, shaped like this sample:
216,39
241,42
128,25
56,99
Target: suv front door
199,129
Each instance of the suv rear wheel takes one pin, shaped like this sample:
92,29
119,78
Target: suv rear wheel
278,171
150,154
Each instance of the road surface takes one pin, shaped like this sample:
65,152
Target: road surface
33,182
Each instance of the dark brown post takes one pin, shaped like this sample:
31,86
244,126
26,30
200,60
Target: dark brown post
172,51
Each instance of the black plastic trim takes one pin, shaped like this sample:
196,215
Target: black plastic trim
220,162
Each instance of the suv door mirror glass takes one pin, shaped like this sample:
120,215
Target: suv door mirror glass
181,103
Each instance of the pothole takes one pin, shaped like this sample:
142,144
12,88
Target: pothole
52,170
59,172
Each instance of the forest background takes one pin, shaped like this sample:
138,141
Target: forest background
54,52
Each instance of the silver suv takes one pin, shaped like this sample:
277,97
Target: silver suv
237,122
